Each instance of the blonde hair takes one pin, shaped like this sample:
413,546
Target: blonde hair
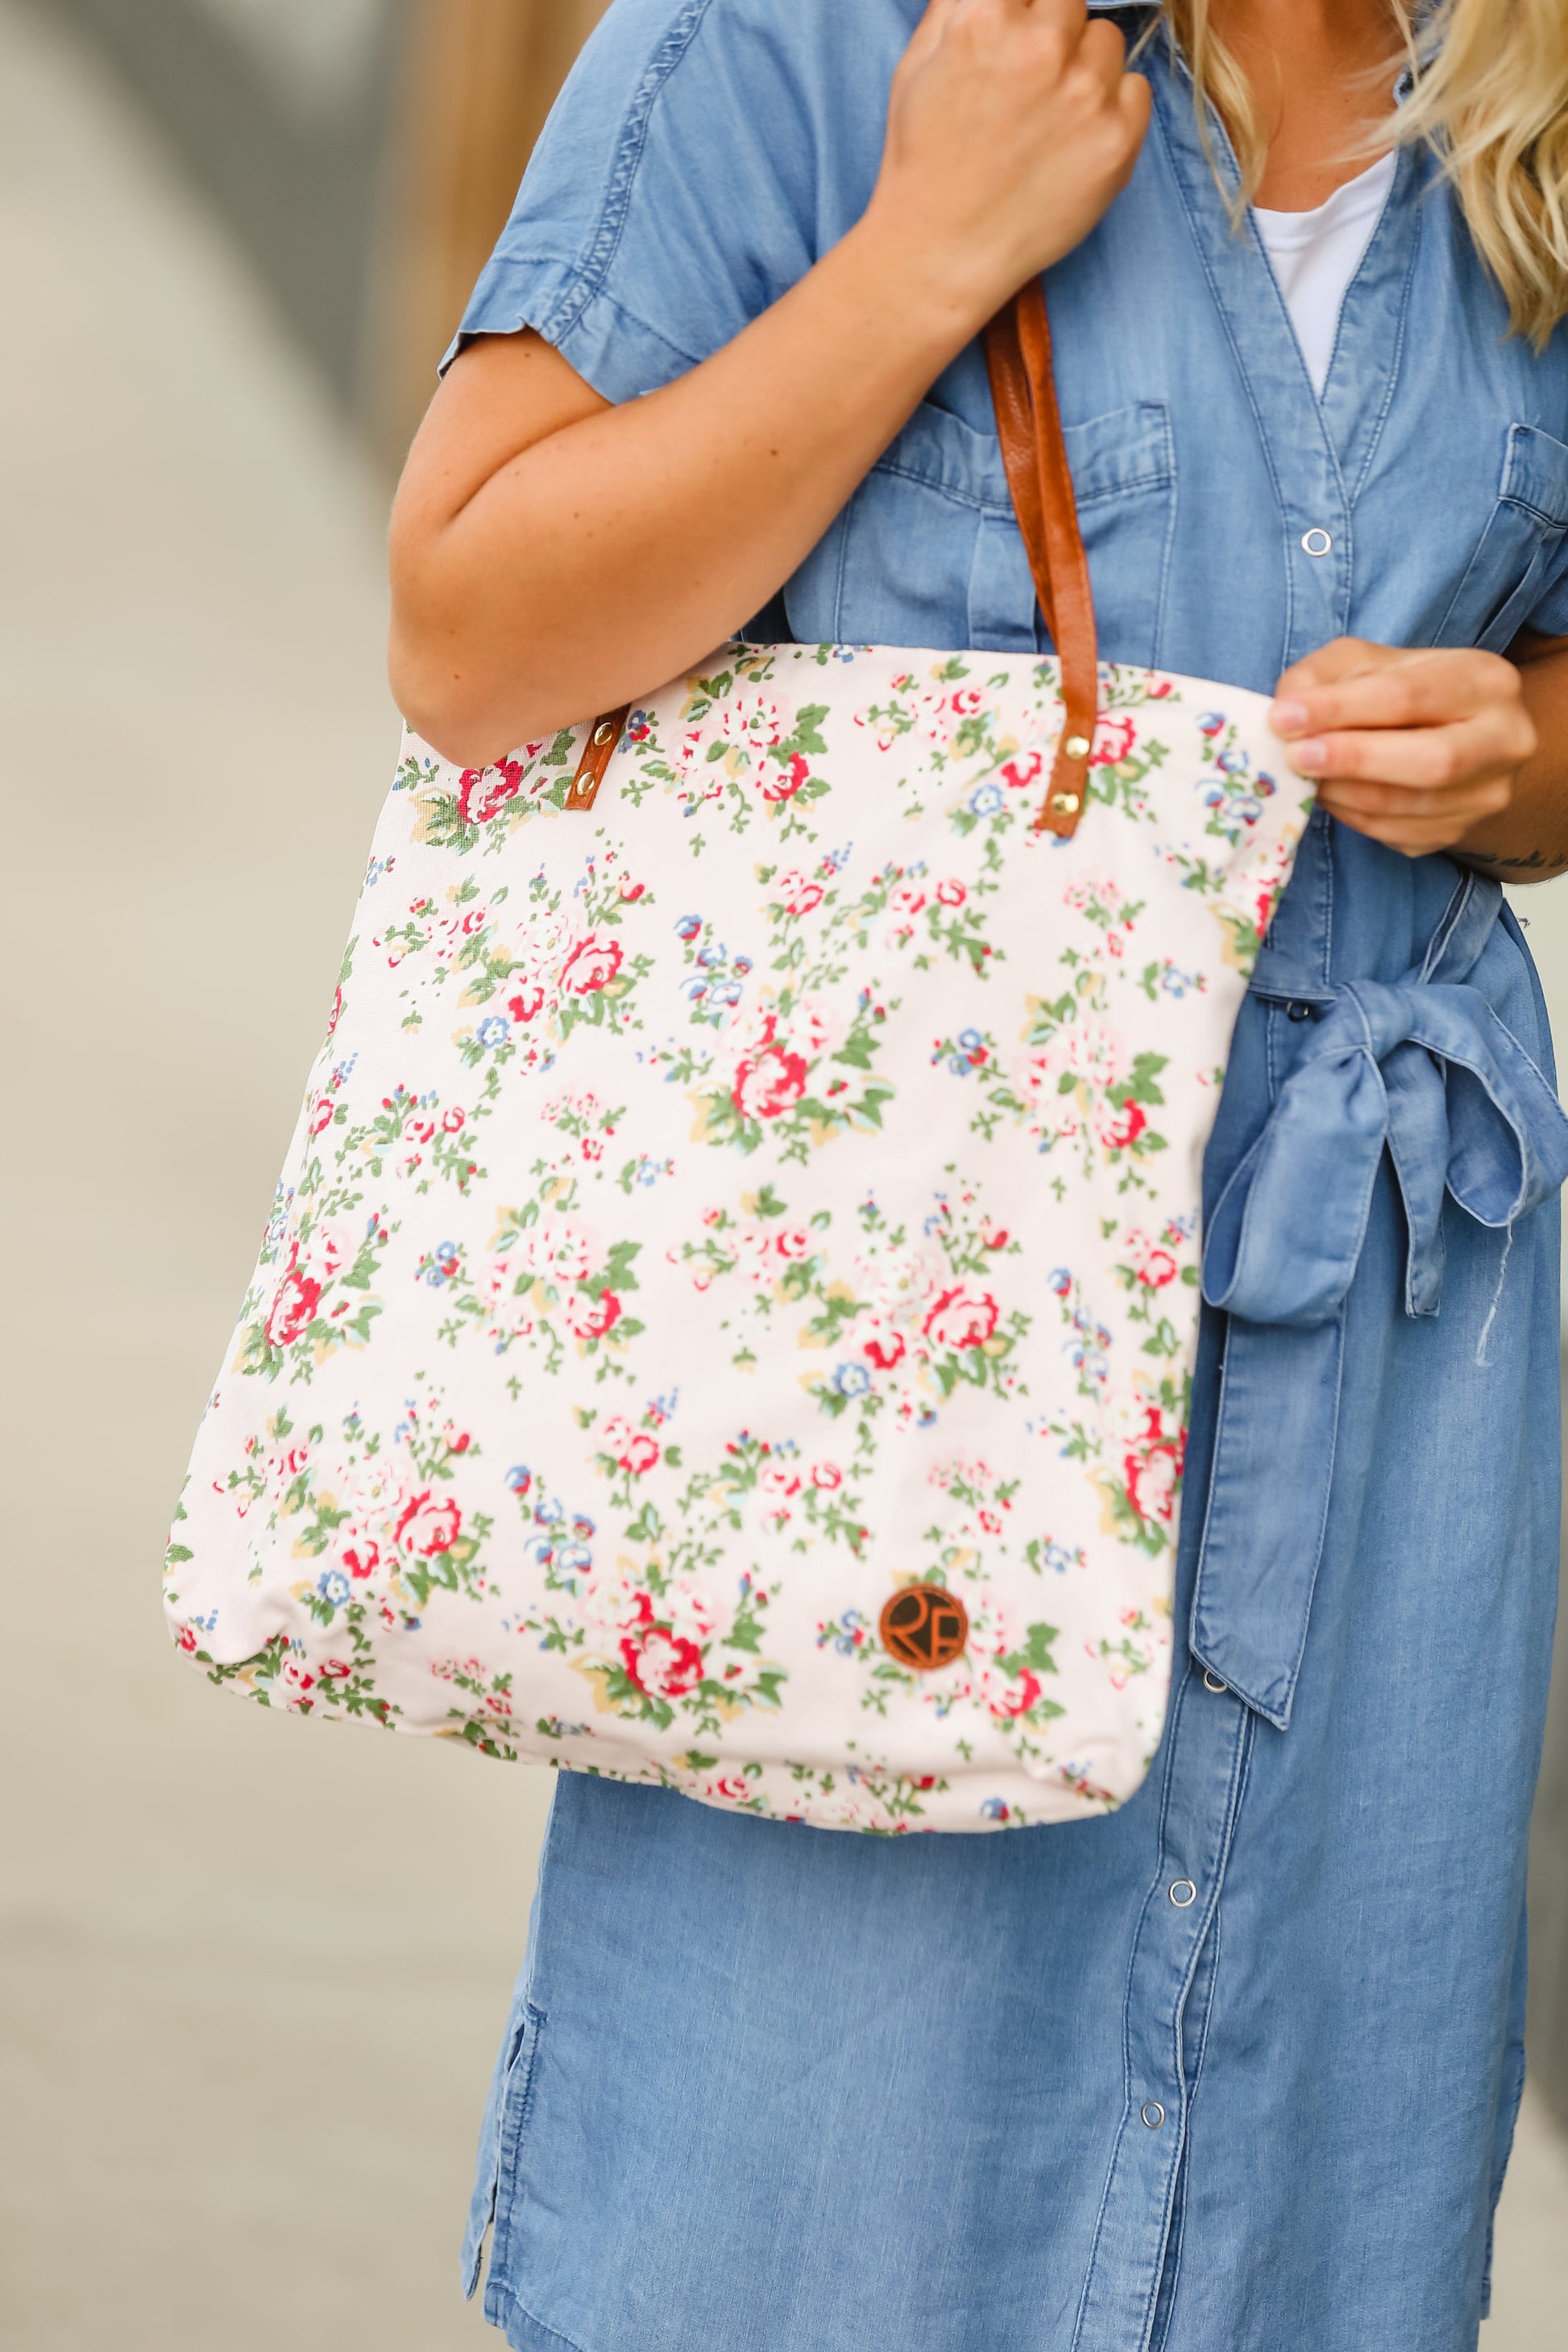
1491,98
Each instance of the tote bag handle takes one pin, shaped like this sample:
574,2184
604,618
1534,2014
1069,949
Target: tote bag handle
1023,385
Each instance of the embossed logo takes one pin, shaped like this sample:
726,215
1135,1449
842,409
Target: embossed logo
925,1626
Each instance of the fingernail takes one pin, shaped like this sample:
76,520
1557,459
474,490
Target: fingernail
1311,753
1288,718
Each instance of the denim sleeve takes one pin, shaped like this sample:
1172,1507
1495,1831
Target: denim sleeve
702,156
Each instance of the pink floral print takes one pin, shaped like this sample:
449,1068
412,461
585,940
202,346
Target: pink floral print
712,1213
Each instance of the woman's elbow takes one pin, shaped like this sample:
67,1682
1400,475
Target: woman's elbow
440,685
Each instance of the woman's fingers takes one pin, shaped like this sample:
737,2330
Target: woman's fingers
1399,690
1436,757
1414,748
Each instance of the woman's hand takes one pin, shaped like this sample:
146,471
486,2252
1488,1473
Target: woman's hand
1417,749
1012,125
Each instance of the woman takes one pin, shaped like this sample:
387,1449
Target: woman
1236,2067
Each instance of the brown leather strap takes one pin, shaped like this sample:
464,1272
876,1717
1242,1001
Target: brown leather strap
597,752
1023,385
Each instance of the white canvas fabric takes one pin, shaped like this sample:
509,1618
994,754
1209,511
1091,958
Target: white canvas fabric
718,1217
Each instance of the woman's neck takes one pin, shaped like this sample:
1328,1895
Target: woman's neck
1322,73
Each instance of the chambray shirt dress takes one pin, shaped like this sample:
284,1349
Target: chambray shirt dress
1235,2069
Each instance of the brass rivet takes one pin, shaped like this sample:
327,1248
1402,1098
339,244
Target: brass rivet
1068,804
1077,746
604,733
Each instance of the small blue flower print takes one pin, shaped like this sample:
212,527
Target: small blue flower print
688,926
440,1269
851,1379
1211,722
493,1030
985,799
993,1809
334,1587
520,1478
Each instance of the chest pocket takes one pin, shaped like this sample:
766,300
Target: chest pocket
1519,551
929,551
1124,473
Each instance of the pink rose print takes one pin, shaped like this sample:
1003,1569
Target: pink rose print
1025,769
1015,1698
826,1477
590,1318
885,1348
634,1449
483,793
660,1663
362,1558
1154,1265
799,894
592,965
1113,738
429,1525
294,1308
768,1080
1119,1129
323,1116
787,780
960,1318
1153,1470
951,894
528,1001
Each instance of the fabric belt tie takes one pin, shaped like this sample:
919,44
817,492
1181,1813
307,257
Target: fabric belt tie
1422,1070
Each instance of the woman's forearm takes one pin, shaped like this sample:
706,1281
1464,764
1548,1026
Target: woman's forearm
611,554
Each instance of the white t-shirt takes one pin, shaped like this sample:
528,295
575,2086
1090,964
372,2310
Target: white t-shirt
1316,255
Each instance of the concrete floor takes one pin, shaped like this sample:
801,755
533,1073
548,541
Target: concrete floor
253,1971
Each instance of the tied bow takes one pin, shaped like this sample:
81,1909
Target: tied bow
1427,1073
1421,1068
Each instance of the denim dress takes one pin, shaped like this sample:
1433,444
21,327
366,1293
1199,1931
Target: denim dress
1236,2067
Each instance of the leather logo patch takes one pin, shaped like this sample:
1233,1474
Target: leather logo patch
925,1626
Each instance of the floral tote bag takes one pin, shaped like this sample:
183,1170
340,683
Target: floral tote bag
729,1314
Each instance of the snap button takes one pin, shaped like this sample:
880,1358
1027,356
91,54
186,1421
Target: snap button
1077,746
1184,1894
1153,2114
1318,542
925,1626
1298,1012
1067,802
1213,1682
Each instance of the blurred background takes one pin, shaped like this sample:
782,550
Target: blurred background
253,1972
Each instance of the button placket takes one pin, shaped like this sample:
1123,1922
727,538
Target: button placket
1204,1779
